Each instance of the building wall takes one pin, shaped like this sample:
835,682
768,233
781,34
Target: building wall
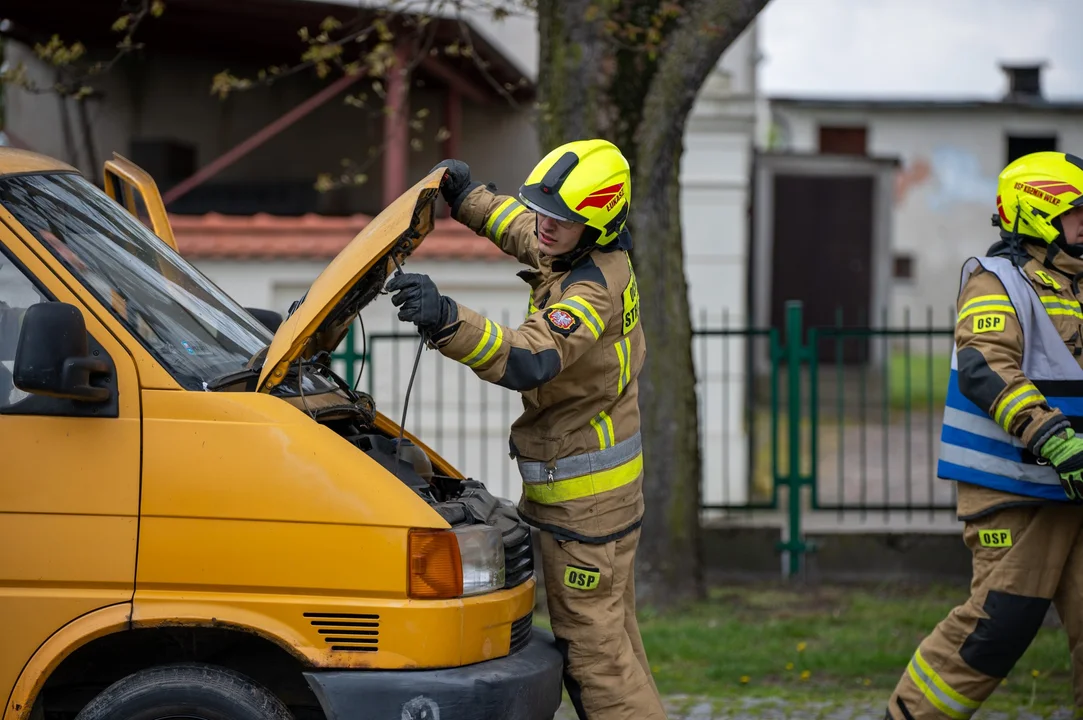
715,186
945,189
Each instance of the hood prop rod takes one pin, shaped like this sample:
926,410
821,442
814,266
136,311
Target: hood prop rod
409,387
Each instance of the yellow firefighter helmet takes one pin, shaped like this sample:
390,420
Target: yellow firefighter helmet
586,181
1033,191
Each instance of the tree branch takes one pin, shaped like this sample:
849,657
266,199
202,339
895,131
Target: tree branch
691,52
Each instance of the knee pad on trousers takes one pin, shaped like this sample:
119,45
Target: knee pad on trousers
575,692
904,712
1000,640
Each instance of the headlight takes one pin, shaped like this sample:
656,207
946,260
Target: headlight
448,564
482,550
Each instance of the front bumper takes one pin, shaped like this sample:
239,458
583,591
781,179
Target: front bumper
522,686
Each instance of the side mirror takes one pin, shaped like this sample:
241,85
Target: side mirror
269,318
52,357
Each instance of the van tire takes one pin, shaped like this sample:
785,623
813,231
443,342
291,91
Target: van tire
189,690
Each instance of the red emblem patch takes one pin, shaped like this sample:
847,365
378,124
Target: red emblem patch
561,319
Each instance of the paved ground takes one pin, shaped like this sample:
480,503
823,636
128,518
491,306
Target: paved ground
878,464
680,708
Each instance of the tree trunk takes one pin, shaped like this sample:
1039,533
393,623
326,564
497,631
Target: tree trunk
592,86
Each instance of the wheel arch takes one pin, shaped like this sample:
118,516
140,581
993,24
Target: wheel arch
99,648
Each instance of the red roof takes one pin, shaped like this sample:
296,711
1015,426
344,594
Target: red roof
309,237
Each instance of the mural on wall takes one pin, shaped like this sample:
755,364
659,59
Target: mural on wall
956,176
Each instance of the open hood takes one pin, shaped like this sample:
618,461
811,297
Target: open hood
352,280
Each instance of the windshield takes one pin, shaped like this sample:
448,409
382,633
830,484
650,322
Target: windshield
193,328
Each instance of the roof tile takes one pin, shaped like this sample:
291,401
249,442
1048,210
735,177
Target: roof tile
309,237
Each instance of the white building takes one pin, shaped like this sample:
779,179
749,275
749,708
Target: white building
943,196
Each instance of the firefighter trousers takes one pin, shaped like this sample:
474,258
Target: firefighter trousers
590,590
1023,559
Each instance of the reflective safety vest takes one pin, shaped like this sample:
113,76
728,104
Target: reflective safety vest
976,448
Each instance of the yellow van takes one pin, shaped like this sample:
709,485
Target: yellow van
199,519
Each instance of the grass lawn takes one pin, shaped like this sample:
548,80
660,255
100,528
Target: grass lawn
826,644
926,373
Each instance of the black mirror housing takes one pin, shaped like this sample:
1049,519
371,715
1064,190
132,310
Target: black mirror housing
269,318
53,359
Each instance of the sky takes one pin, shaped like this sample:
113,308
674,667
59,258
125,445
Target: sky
918,48
894,48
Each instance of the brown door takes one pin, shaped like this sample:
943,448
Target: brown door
822,255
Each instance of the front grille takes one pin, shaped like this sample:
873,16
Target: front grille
518,557
347,632
520,633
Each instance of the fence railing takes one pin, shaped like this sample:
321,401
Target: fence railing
851,412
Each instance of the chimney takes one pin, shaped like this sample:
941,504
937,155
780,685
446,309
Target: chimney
1024,81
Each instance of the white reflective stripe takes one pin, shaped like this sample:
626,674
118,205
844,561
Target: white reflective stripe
579,465
491,339
586,313
1048,300
624,357
502,217
939,697
1010,406
603,425
983,426
976,460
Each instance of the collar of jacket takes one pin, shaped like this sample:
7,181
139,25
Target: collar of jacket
1054,256
567,261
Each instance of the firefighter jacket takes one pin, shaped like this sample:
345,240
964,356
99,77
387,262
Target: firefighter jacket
575,359
1016,376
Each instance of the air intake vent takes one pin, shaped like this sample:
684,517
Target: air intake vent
518,557
347,632
521,632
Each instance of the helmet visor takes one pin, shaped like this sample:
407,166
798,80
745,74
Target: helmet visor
550,204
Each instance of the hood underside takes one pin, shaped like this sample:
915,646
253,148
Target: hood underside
352,280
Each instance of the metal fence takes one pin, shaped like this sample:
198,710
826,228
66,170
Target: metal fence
851,411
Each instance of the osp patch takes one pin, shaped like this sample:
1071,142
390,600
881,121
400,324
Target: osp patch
582,578
562,321
995,538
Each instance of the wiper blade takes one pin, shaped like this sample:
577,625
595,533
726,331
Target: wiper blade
251,375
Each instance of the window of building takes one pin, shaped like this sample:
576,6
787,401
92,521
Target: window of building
839,140
903,267
1020,145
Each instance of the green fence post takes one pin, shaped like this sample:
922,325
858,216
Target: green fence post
795,354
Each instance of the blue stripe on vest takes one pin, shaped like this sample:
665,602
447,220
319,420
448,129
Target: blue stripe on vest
1071,406
951,471
958,401
970,441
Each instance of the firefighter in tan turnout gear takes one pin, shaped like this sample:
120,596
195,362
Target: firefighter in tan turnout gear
575,359
1013,411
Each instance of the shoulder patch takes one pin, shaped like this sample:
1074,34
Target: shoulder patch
562,321
586,271
988,322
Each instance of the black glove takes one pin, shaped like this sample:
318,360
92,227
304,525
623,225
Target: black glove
419,301
456,184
